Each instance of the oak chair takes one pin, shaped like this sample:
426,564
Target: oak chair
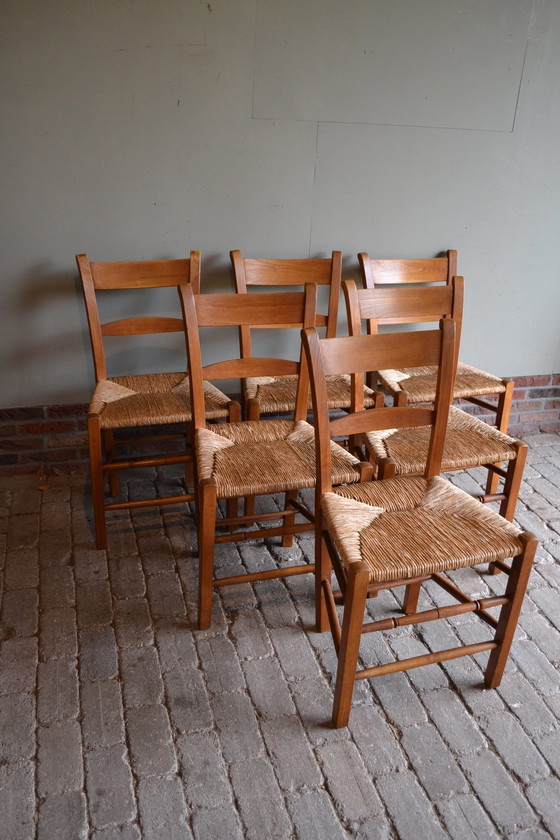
138,400
407,530
471,384
253,457
268,394
469,442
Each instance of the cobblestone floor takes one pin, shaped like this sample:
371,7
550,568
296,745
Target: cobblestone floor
117,722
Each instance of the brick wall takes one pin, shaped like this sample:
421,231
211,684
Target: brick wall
55,438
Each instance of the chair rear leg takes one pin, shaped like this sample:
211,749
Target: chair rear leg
97,482
411,596
206,541
354,608
507,622
512,483
288,539
503,411
108,437
322,578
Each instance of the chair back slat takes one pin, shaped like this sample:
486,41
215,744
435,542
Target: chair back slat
389,350
381,272
147,274
142,326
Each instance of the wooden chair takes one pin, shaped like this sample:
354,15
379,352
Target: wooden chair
268,394
470,442
406,530
138,400
253,457
471,384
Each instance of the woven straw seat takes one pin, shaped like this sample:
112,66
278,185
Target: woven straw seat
150,400
278,394
407,530
469,442
265,456
439,528
139,400
420,383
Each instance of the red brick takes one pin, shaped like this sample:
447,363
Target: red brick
519,395
16,444
34,413
539,417
528,405
46,428
7,431
50,455
556,378
551,428
66,440
532,381
552,404
75,410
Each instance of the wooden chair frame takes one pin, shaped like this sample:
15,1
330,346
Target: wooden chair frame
110,276
290,309
424,304
357,355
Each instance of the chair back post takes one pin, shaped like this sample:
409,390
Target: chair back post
194,356
92,312
444,396
321,421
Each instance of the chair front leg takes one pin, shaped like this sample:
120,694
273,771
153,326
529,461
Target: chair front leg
108,437
323,571
354,608
97,481
206,515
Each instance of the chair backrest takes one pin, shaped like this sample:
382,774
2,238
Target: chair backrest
383,272
360,354
268,310
321,272
404,304
147,274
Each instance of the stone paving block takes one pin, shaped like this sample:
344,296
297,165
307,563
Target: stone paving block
535,666
377,741
175,643
150,741
25,500
549,746
498,793
433,762
20,612
268,688
17,800
59,768
55,548
58,635
109,786
156,553
23,531
57,690
545,636
55,516
21,569
18,665
133,623
515,747
465,818
121,540
217,823
141,675
187,700
220,664
127,576
454,723
94,604
90,564
102,713
254,783
294,653
17,728
275,604
203,770
521,698
98,653
314,699
548,601
314,817
410,810
545,798
163,812
237,726
57,587
123,832
292,760
399,700
423,679
250,635
346,778
165,595
63,817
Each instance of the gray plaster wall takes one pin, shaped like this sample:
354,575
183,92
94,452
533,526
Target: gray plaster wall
139,130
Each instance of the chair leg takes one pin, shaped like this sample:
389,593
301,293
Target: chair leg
322,574
411,596
354,608
503,411
97,483
288,539
206,542
109,449
513,483
507,622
